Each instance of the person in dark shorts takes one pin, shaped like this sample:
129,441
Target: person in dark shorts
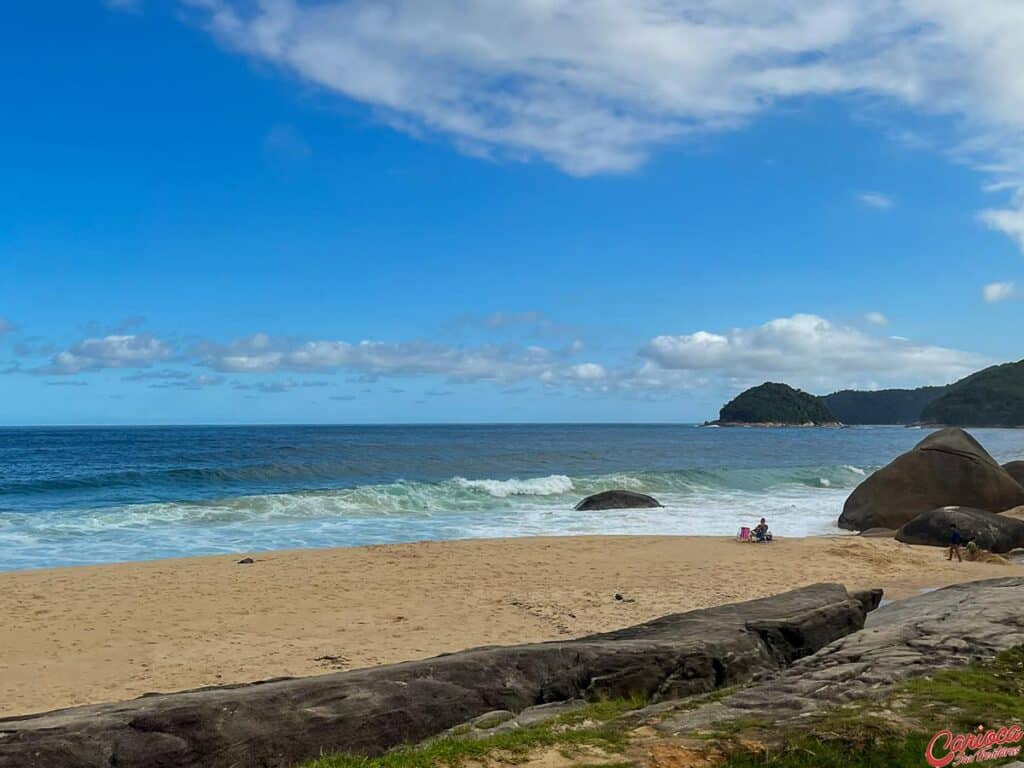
954,543
761,532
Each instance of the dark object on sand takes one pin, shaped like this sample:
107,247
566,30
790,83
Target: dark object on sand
990,531
283,722
947,468
246,561
618,499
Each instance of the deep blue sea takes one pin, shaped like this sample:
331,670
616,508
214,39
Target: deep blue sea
91,495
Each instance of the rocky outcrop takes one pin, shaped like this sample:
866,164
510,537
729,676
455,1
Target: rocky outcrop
947,468
989,530
942,629
1015,470
280,723
618,499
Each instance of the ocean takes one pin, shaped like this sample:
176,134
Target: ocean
72,496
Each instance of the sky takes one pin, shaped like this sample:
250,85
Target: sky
345,211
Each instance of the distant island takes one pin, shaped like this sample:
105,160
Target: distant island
993,397
771,405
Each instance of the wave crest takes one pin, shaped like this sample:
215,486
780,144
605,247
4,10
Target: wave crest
552,485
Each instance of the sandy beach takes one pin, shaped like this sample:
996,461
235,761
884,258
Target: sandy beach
102,633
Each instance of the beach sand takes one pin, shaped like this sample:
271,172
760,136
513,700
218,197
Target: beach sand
91,634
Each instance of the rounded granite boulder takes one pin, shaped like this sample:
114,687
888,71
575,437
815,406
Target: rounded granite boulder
1015,470
618,499
989,530
947,468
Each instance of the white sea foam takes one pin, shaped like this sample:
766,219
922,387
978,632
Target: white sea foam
538,486
797,502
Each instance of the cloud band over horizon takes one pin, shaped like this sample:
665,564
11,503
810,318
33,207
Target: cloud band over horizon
806,350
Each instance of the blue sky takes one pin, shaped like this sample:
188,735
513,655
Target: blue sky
349,211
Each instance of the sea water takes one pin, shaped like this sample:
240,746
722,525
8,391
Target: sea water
73,496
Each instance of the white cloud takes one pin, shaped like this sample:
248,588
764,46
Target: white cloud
592,85
588,372
993,293
487,362
875,200
115,351
1009,221
804,350
877,318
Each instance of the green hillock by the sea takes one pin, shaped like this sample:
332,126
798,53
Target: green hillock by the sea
993,397
883,406
772,403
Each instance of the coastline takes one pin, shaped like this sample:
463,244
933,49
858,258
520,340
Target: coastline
89,634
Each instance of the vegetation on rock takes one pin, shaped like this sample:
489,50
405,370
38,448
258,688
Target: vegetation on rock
993,397
883,406
891,733
772,403
586,727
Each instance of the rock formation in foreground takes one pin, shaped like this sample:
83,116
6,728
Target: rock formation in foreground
989,530
618,499
947,468
1016,470
776,405
279,723
942,629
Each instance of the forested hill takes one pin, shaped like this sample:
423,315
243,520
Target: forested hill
776,404
993,397
884,406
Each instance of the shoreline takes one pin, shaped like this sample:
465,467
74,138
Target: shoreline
257,554
89,634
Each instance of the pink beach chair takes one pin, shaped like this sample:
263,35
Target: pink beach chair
743,535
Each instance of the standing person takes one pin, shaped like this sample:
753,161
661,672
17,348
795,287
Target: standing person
954,543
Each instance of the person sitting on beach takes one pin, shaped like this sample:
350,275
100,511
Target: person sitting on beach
954,543
761,532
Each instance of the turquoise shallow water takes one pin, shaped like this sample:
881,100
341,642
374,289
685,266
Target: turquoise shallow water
76,496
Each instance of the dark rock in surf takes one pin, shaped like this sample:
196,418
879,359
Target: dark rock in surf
366,712
947,468
989,530
618,499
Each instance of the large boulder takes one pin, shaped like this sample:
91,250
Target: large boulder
1016,470
618,499
947,468
282,723
945,629
989,530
